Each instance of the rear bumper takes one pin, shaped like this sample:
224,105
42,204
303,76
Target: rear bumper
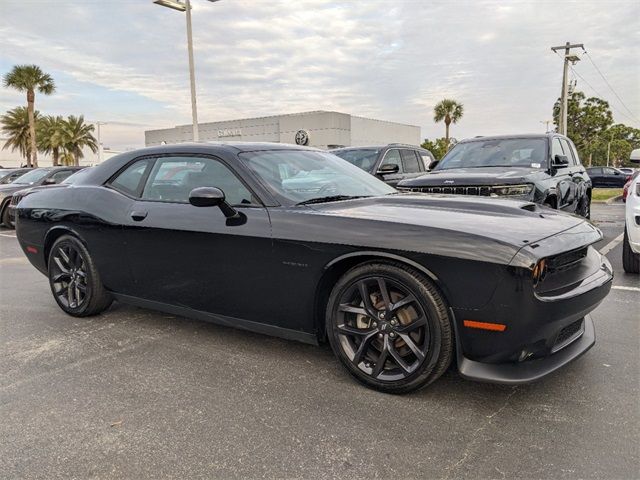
528,370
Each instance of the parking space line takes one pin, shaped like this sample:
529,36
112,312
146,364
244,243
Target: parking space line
622,287
612,244
5,235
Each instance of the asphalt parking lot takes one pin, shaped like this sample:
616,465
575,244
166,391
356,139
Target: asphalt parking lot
138,394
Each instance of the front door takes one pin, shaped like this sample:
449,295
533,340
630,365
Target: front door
193,256
392,157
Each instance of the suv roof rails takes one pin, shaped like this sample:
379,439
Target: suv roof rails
404,144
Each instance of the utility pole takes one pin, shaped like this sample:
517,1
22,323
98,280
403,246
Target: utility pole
546,125
564,98
192,74
100,148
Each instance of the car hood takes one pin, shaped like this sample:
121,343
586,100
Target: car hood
476,176
451,222
10,188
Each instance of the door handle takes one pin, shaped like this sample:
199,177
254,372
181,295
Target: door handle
138,216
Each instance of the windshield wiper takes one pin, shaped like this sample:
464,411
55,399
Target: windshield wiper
330,198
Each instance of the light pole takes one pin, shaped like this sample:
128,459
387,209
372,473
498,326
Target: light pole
186,7
100,148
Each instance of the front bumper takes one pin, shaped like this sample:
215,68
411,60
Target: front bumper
529,370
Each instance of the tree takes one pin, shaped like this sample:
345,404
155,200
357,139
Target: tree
29,78
77,135
439,146
614,145
15,125
450,111
51,136
587,120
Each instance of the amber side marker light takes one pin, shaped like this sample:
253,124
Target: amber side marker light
494,327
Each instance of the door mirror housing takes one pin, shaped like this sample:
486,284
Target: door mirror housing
49,181
434,164
387,169
212,197
560,161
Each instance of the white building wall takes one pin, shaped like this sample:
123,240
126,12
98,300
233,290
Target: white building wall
367,131
325,129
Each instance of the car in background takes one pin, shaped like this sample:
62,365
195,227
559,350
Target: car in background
390,163
400,285
607,177
20,194
631,241
8,175
540,168
625,189
33,178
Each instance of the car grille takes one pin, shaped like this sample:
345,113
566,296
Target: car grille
567,260
568,335
469,190
15,199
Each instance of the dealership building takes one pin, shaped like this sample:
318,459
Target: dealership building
316,129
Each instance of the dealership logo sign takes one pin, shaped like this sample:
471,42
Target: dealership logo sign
302,137
229,132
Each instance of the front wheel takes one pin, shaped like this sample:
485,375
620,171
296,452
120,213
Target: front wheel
630,259
74,280
6,218
584,207
389,327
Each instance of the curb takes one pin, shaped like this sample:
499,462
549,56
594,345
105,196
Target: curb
608,201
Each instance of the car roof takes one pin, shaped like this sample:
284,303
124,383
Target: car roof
480,138
388,145
231,147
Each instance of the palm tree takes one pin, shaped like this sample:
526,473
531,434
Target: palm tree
50,131
77,135
15,125
29,78
450,111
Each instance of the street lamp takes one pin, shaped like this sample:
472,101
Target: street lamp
186,7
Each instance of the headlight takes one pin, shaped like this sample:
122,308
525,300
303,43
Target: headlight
512,190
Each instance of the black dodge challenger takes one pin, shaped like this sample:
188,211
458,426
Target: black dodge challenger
295,242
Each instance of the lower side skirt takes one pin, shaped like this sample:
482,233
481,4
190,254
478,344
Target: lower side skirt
232,322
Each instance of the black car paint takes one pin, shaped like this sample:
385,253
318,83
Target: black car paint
6,191
563,188
607,177
392,178
273,273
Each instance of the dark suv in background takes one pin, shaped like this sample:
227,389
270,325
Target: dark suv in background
541,168
391,163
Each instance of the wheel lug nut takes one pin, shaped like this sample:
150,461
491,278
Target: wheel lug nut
380,335
375,324
382,315
394,321
392,335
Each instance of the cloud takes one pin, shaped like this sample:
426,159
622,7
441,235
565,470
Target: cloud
127,62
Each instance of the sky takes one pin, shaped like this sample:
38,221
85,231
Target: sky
124,62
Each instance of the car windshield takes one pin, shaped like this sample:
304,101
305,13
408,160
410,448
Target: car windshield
32,177
75,176
512,152
296,176
364,158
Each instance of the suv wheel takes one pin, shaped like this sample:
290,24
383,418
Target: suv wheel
630,259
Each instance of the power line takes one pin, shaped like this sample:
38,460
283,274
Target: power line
609,85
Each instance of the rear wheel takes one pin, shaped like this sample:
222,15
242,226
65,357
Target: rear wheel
388,325
630,259
6,218
74,280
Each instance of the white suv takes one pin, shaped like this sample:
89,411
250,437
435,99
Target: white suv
631,245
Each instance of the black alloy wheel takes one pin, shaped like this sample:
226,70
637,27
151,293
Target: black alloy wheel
584,207
6,218
389,326
73,278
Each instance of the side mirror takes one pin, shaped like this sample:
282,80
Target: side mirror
49,181
388,169
560,161
635,156
616,172
434,164
212,197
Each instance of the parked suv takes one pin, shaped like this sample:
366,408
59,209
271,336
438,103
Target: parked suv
542,168
35,177
608,177
391,163
631,240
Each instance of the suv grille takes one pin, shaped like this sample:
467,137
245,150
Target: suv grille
568,335
15,198
471,190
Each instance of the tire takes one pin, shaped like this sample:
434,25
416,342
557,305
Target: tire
74,280
584,207
630,259
409,325
6,219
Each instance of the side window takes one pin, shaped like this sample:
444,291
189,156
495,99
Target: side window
60,176
556,148
426,160
595,171
172,179
392,157
575,153
410,161
129,181
568,152
608,171
15,175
